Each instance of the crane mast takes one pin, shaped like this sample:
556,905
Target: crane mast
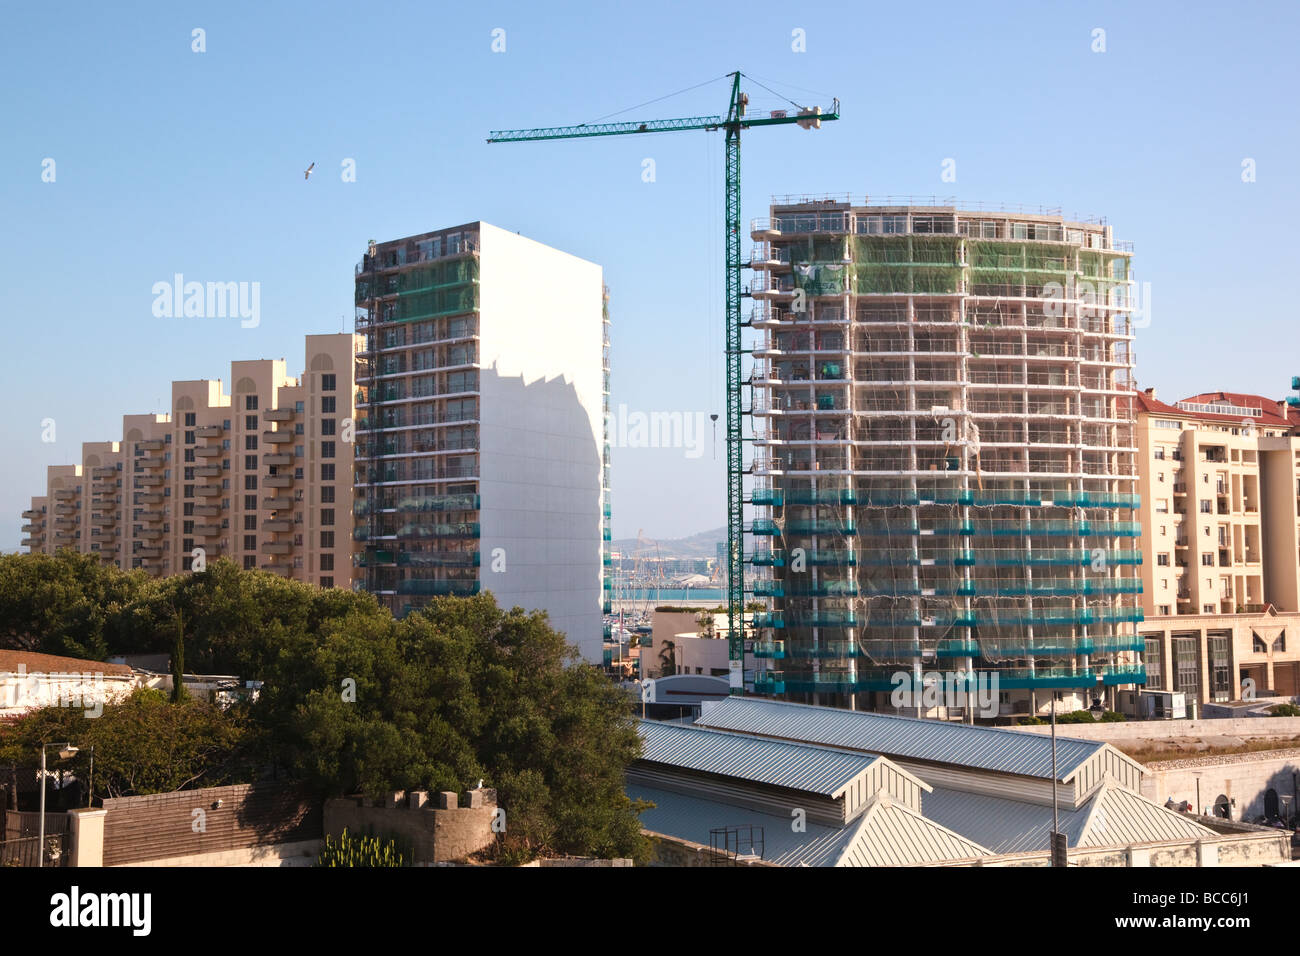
731,125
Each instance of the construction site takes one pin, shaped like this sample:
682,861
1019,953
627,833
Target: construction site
944,453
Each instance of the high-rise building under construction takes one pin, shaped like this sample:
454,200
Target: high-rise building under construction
480,459
944,452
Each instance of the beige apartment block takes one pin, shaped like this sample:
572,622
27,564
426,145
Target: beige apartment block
36,525
1220,485
101,500
262,475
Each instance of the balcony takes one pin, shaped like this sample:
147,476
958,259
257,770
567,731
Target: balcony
152,498
65,494
150,462
32,513
149,481
149,554
208,451
280,569
209,431
104,471
104,521
278,437
276,547
207,491
208,529
149,515
150,444
149,534
278,415
208,511
207,471
278,525
278,481
278,459
278,503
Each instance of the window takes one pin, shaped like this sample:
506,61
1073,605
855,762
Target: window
327,449
189,454
250,562
1163,609
189,438
250,502
327,383
189,419
250,482
250,403
1187,667
298,451
327,405
327,582
1152,657
187,491
327,516
327,539
327,426
1160,454
1160,477
1162,560
327,471
250,542
327,562
189,474
327,494
1207,608
1164,531
189,508
298,429
297,407
250,422
250,462
250,443
250,522
1205,507
1207,560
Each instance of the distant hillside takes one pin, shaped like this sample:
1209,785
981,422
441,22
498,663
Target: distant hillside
701,545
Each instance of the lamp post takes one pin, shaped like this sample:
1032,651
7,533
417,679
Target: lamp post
65,750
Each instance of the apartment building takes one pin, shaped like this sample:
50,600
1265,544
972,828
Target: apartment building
481,449
944,452
262,475
35,526
1220,486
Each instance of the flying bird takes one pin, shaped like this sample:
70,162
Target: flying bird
307,174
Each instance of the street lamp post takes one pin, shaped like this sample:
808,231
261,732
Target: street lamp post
65,750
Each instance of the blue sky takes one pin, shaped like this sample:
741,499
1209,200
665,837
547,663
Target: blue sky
173,161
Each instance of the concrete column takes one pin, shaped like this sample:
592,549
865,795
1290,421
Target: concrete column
87,837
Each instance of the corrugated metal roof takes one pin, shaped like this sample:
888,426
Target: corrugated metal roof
1112,816
984,748
691,818
887,834
796,766
1119,816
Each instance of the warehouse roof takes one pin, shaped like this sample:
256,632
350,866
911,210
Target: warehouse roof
886,834
795,766
910,738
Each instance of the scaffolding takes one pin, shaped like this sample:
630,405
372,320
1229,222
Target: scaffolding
944,451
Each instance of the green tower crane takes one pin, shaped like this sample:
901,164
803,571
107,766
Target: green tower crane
731,124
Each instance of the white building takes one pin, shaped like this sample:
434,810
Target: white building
480,433
30,681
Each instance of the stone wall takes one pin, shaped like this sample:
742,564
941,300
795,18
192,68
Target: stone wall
672,851
1157,729
1243,778
448,831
